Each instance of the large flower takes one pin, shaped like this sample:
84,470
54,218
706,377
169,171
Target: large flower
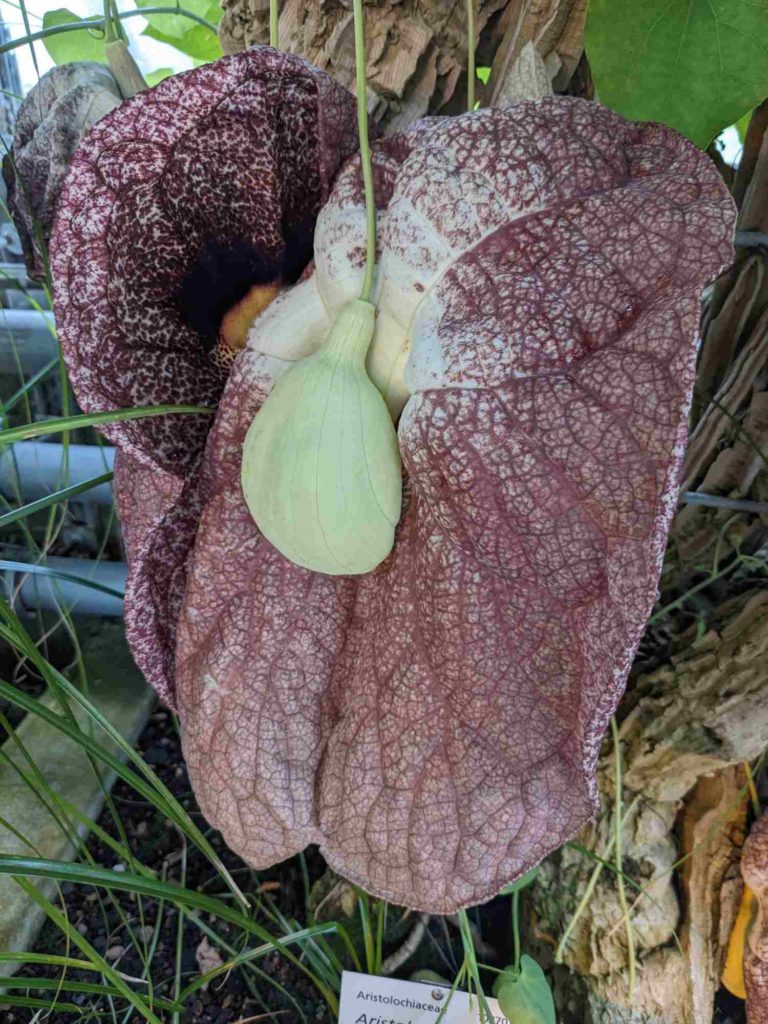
434,724
188,201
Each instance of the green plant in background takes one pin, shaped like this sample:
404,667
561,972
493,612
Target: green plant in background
195,39
64,47
697,65
188,28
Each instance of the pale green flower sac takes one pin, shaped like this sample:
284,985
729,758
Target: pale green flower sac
321,463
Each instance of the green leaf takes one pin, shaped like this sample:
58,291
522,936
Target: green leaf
742,124
155,77
182,33
697,65
70,46
521,883
525,998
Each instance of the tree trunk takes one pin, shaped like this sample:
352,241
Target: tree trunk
687,728
416,49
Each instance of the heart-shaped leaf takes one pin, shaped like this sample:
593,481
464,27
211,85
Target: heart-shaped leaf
155,77
697,65
525,996
184,34
71,46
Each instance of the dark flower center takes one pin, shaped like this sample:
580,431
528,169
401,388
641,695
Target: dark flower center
226,272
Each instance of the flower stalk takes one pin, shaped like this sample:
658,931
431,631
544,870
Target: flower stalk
365,150
471,44
274,15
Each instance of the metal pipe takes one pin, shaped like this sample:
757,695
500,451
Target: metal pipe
83,587
27,339
35,469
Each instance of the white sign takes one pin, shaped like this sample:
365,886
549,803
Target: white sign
369,1000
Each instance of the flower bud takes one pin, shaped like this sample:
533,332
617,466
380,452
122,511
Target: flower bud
321,462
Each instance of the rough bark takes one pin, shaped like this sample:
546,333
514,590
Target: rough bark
417,49
692,723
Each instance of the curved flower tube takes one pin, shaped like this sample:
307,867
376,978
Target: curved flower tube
434,725
185,211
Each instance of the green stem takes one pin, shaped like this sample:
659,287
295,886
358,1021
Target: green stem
110,36
98,24
365,151
273,22
617,823
694,590
471,44
516,928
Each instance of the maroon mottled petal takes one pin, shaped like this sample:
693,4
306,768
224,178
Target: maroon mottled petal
243,151
158,514
754,868
434,725
239,152
143,494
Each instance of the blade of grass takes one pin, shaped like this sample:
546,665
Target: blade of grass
74,936
156,792
248,966
42,570
179,939
53,499
28,30
253,954
95,419
601,862
49,959
76,986
473,972
369,941
153,793
618,857
23,391
39,1004
36,867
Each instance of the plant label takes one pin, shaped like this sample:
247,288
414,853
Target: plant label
366,999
